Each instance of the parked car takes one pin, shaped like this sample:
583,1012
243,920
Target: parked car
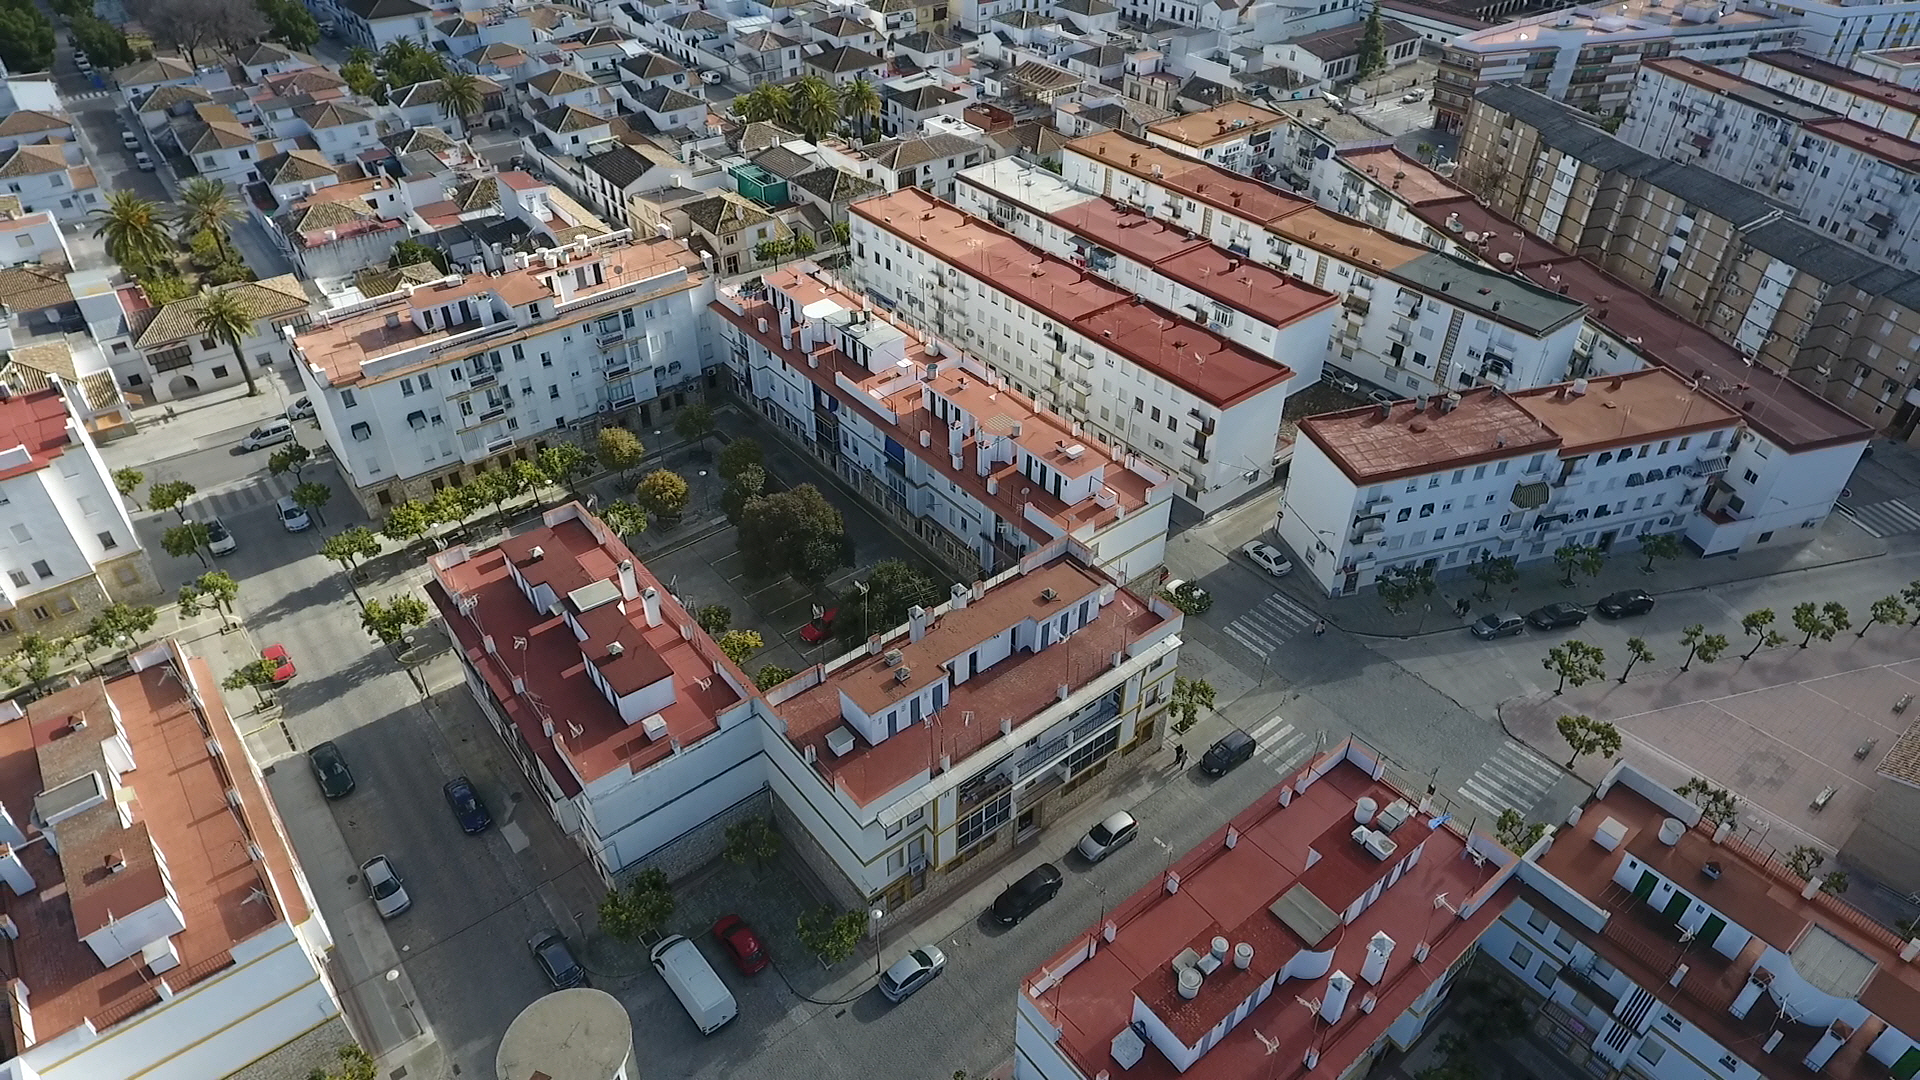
1268,558
820,629
911,972
219,540
281,660
271,433
707,1000
129,140
330,770
1557,615
555,959
1109,836
142,162
293,515
1624,603
1227,752
384,888
1418,93
1503,624
1382,397
711,78
467,808
742,944
1024,897
301,409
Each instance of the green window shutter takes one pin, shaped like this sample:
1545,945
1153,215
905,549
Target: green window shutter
1908,1065
1644,887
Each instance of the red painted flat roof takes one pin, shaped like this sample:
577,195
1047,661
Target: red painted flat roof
36,421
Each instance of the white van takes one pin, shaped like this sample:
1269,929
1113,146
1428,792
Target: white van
271,433
700,991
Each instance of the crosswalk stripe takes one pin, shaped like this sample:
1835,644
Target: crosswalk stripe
1510,779
1269,624
1270,725
1886,518
246,494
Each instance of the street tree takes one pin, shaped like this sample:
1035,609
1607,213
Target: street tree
738,645
796,532
1910,594
880,603
311,496
1403,585
1714,801
290,458
33,659
772,675
354,1063
255,675
524,478
214,589
739,454
493,487
1373,46
407,522
389,622
1706,647
1664,546
1804,860
564,465
1811,621
663,493
1190,698
638,910
120,626
1585,735
618,450
461,96
349,548
745,486
715,619
751,842
1490,570
171,495
624,518
127,482
1887,609
1513,831
1756,625
188,539
1637,651
831,936
1592,560
1568,557
1836,615
1575,662
695,423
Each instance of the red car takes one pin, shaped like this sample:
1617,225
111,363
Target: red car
819,629
742,944
282,663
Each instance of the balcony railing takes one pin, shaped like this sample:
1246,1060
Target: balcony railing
1710,467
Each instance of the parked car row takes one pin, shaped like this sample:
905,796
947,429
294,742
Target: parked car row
1561,614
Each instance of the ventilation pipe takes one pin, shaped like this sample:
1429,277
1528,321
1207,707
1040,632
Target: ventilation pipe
1374,967
917,622
629,585
650,600
1339,985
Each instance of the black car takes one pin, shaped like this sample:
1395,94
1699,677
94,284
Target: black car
556,960
1232,748
1504,624
1023,897
1555,616
330,769
467,807
1624,603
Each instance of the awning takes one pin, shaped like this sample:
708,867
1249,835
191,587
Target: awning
1531,496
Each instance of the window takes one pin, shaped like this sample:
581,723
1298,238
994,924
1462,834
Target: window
1537,919
894,829
1563,941
1426,510
1521,956
1651,1051
41,614
6,626
40,567
1405,513
347,399
980,824
107,541
21,534
426,380
406,387
20,580
363,431
1750,476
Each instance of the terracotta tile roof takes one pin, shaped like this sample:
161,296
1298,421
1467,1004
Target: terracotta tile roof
328,114
166,97
274,298
32,122
1037,76
297,166
476,194
379,281
559,81
650,65
840,59
159,69
49,357
31,288
499,54
567,118
36,160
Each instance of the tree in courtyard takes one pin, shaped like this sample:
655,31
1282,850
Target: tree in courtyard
639,909
772,675
349,548
880,603
1585,735
1637,651
136,231
695,423
120,626
564,465
751,842
255,675
407,522
1490,570
738,645
1575,662
1804,860
860,103
831,936
389,622
1702,645
188,539
214,589
127,482
715,619
618,450
742,488
1714,801
1373,46
171,495
1887,609
311,496
796,532
1190,697
663,493
1402,585
1516,833
290,458
801,244
225,318
412,252
208,206
354,1063
739,454
1665,546
772,251
624,518
461,96
816,106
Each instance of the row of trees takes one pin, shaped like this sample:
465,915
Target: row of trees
39,657
812,106
26,37
1402,585
404,62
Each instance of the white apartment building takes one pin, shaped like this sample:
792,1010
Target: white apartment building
1887,106
1140,376
645,741
67,545
934,436
31,238
415,388
1599,462
164,929
1415,320
1239,135
1254,306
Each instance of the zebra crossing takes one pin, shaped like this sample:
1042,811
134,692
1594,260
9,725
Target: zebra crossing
241,495
1889,517
1279,743
1270,623
1513,778
87,95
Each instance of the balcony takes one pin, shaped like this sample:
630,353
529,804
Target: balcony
619,371
611,339
478,379
1708,467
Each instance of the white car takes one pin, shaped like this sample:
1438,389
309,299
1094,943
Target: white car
293,515
711,78
911,972
128,140
219,540
301,409
1268,558
389,896
1109,836
142,161
1418,93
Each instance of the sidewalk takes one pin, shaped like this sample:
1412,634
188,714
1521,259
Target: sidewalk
1837,542
194,419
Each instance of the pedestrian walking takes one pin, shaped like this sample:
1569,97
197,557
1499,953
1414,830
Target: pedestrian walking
1179,755
1320,628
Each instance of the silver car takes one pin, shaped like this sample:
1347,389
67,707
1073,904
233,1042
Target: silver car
1268,558
1109,836
384,888
911,972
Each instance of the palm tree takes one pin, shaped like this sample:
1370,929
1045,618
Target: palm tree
224,318
816,106
207,204
461,97
135,230
766,102
861,102
360,54
399,54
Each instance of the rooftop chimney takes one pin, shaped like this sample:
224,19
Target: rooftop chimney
917,622
650,599
1339,985
629,586
14,872
1374,967
958,596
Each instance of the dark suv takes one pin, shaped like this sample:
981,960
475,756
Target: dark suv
1233,748
1023,897
1624,603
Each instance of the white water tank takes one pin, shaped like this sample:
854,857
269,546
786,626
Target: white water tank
1363,810
578,1034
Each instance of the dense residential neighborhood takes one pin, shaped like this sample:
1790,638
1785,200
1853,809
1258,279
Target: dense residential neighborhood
1095,539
